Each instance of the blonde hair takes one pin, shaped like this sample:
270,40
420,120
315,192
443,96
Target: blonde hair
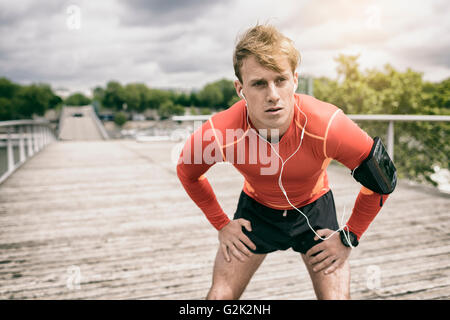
266,44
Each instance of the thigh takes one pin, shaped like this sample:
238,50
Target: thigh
231,278
334,286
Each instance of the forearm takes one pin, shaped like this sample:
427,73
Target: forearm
366,208
201,192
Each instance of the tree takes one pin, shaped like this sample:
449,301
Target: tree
98,95
120,118
218,95
35,99
419,146
228,92
132,97
77,99
115,96
348,66
8,89
22,102
6,109
211,96
182,99
168,108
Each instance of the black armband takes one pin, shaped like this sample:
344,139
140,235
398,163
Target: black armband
377,172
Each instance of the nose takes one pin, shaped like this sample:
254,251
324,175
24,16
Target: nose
272,95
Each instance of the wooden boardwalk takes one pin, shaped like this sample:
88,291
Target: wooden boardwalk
109,220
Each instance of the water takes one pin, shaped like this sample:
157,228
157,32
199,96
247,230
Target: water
442,177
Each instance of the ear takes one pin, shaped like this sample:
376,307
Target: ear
295,81
238,87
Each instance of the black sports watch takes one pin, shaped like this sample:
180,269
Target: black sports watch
352,237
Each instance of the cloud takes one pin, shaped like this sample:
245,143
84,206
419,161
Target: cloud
162,12
189,43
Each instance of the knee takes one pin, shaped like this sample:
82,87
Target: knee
221,292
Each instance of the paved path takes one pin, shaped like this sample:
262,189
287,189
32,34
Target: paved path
112,216
78,123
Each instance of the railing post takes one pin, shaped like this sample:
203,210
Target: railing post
41,137
310,86
30,141
21,145
390,139
35,139
10,152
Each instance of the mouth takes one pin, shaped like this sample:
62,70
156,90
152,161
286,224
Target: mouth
274,110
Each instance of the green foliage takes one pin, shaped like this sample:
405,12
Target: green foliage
22,102
218,95
77,99
114,96
211,96
205,111
419,146
168,108
120,118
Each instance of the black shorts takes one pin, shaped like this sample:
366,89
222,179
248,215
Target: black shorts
272,230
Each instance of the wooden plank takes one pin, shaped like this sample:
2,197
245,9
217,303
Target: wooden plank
113,209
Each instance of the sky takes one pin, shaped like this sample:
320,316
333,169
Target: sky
185,44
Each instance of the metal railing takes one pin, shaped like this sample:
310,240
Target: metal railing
28,136
390,118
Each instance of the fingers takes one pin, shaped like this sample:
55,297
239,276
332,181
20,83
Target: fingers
315,250
317,258
234,241
324,264
336,264
225,252
319,263
323,233
247,242
246,224
238,251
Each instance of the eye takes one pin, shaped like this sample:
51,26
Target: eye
258,83
281,80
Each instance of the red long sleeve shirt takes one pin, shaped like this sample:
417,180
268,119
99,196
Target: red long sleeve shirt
329,134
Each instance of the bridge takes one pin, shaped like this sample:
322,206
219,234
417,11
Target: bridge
108,219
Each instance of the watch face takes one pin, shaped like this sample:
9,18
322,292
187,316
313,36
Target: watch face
349,236
353,239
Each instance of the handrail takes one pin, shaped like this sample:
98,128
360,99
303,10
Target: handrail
358,117
99,124
22,122
30,136
398,117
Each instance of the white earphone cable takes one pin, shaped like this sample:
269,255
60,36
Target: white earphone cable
280,183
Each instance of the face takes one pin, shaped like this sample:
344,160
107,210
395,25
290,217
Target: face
269,94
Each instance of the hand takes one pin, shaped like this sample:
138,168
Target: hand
331,253
232,240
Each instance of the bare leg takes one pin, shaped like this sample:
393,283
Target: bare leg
334,286
231,278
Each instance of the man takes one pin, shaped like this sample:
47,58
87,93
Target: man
282,143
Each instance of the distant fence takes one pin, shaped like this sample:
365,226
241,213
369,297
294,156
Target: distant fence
22,139
390,118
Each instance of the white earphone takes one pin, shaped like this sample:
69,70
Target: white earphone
242,96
